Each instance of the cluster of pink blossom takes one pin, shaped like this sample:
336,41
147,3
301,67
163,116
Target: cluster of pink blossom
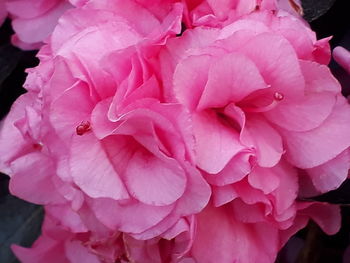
159,131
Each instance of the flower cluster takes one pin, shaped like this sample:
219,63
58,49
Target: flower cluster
173,131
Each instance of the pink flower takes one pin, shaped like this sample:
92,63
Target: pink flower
94,129
259,87
59,244
128,129
266,113
34,20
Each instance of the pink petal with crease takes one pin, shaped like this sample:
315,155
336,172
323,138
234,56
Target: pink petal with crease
92,170
215,144
154,181
331,174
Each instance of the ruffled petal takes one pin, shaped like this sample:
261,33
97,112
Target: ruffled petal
230,79
154,181
121,216
331,174
261,136
92,170
232,241
315,147
216,144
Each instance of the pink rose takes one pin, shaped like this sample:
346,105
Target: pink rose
94,129
260,88
128,129
266,112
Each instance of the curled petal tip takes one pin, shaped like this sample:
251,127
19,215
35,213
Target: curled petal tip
342,57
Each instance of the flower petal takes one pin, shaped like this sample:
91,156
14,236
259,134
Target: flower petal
231,240
234,171
331,174
93,171
315,147
216,144
77,253
267,142
121,216
264,179
190,77
304,114
35,186
274,56
230,79
154,181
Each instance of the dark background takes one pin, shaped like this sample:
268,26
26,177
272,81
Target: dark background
20,221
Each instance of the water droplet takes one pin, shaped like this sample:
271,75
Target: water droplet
278,96
83,128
